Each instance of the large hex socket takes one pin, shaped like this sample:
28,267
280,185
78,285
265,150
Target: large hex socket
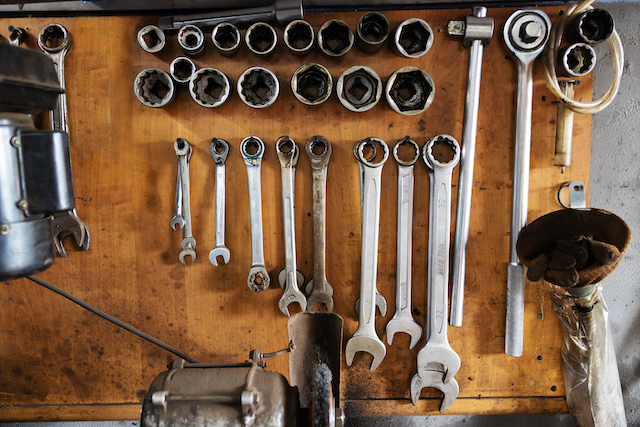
335,38
191,40
576,60
226,38
151,39
413,38
258,87
261,39
591,26
154,88
372,31
359,88
182,69
299,37
410,91
210,87
312,84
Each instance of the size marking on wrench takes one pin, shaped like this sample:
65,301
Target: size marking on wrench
365,338
252,150
525,33
288,154
318,289
402,320
219,150
183,151
477,31
55,41
441,154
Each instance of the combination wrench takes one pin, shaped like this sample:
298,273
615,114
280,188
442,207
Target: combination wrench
318,289
183,152
477,30
525,33
55,41
365,338
438,363
402,320
219,150
288,154
252,150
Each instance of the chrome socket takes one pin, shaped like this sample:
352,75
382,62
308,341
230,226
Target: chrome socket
226,38
312,84
154,88
372,31
335,38
258,87
261,39
359,88
410,91
413,38
299,37
591,26
576,60
182,69
210,87
191,40
151,39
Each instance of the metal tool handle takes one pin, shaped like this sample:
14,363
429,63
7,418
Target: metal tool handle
406,183
288,162
255,207
183,163
58,116
220,205
319,175
564,130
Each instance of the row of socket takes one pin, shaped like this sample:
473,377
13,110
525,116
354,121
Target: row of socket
413,37
409,90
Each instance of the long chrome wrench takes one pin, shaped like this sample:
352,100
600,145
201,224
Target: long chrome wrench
258,279
441,154
366,338
477,30
183,151
288,154
525,33
402,320
219,149
319,290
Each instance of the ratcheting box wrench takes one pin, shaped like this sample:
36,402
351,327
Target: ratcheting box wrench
365,338
525,33
55,41
438,363
403,320
183,152
477,30
319,150
219,150
252,150
288,154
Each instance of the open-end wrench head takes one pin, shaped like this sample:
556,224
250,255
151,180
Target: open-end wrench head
185,253
316,143
308,289
315,296
182,148
250,158
432,355
408,141
188,243
366,343
293,295
406,325
59,247
177,221
434,379
282,278
381,303
288,152
441,151
258,279
66,223
58,35
219,150
219,251
370,162
525,33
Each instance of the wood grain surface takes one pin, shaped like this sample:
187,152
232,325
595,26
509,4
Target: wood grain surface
61,362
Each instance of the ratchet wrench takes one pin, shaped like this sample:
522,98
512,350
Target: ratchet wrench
365,338
441,154
219,150
183,152
288,154
252,150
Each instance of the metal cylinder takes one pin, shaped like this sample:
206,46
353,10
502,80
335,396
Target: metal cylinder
359,88
226,38
576,60
372,31
299,37
210,87
154,88
335,38
591,26
191,40
151,39
261,39
410,91
258,87
182,69
413,38
312,84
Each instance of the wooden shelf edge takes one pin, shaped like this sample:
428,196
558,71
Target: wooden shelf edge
71,412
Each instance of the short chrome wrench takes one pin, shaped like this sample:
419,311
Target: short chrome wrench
252,150
477,31
366,338
288,154
441,154
219,150
183,151
525,33
403,320
319,290
177,220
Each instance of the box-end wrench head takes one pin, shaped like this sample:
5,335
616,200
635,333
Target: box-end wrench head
403,320
219,149
434,379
